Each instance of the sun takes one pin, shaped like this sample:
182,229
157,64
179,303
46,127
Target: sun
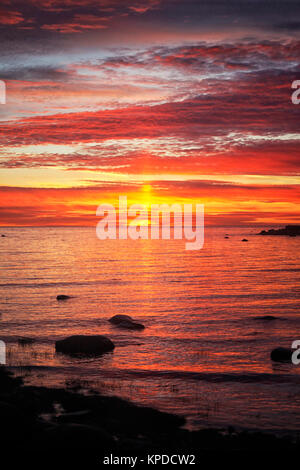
147,195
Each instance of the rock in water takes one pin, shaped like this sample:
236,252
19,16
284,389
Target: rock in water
125,321
281,354
130,325
119,318
25,340
266,318
244,240
290,230
62,297
82,344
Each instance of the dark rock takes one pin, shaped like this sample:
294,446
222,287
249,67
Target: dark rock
14,423
62,297
24,340
126,322
115,426
81,344
130,325
8,383
267,318
74,417
281,354
9,415
3,235
244,240
226,237
73,436
119,318
290,230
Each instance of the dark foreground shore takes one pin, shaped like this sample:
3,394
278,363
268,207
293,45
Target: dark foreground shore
67,429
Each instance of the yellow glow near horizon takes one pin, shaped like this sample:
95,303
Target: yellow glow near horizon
146,196
59,177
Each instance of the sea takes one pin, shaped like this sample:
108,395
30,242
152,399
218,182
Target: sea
205,350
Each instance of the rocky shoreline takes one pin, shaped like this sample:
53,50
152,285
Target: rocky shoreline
67,427
288,230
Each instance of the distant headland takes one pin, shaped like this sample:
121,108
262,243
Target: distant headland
290,230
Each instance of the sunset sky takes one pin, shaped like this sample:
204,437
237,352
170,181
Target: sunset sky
159,100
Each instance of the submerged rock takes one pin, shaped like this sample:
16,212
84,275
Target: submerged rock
266,318
82,344
281,354
244,240
125,321
25,340
130,325
62,297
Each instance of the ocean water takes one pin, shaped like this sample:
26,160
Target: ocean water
203,353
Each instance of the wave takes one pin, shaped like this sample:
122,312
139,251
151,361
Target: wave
213,377
71,283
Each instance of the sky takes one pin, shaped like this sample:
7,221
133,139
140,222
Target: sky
160,100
